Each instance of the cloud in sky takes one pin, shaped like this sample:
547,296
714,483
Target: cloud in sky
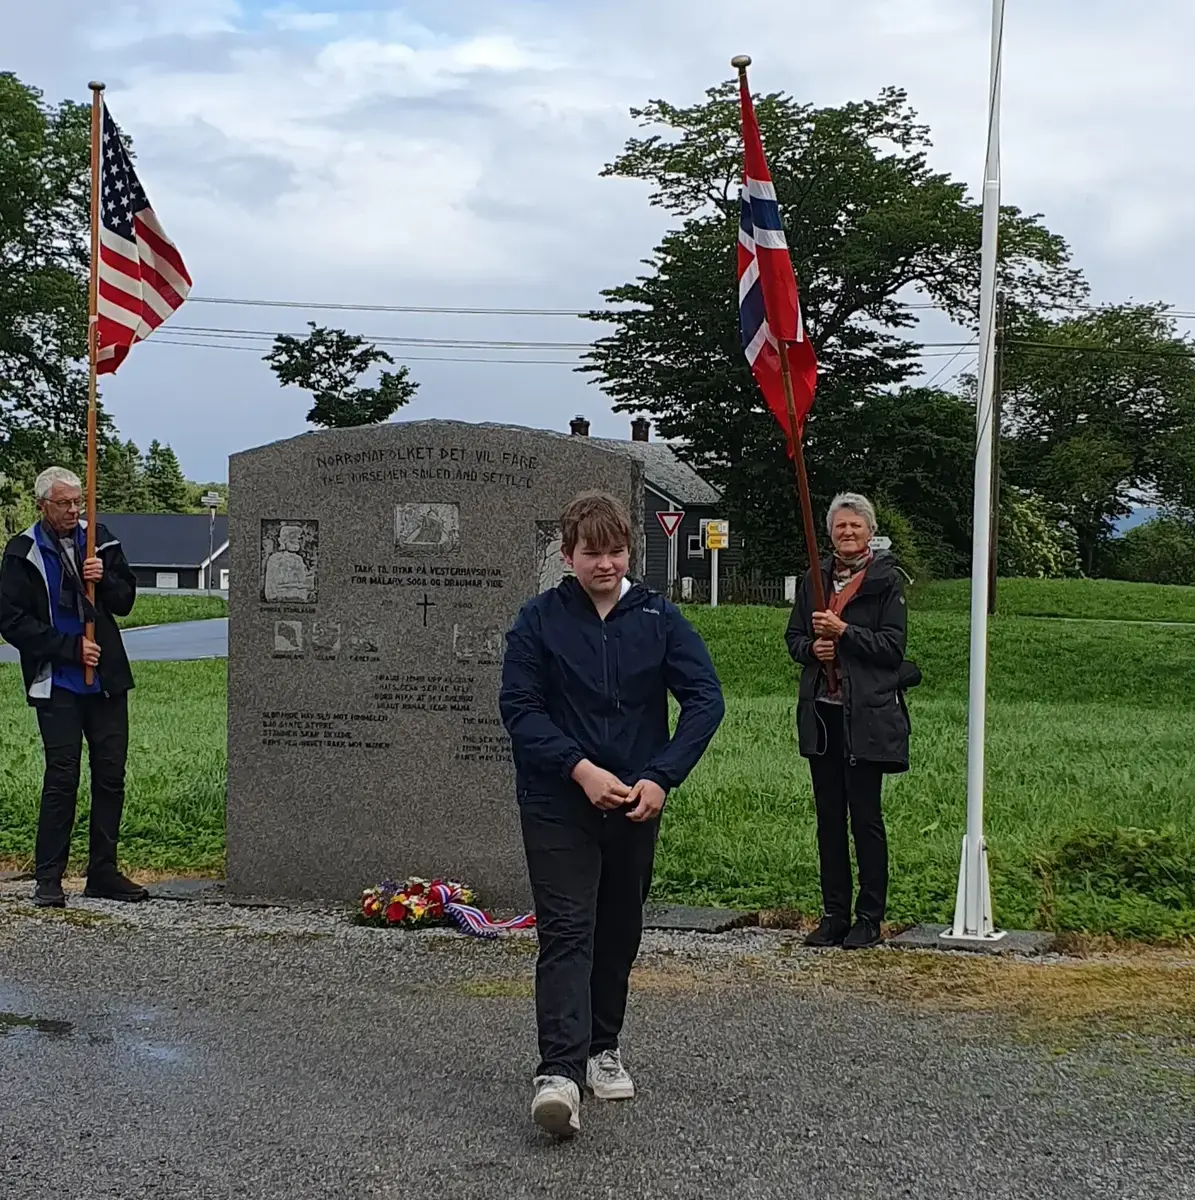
448,154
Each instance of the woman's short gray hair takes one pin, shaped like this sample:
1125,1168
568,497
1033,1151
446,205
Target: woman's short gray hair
49,477
857,504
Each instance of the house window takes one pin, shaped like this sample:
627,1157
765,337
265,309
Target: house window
696,546
223,579
166,579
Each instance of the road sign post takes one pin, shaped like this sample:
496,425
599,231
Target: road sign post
717,537
211,501
670,523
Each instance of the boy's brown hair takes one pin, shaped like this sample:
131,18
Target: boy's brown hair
599,518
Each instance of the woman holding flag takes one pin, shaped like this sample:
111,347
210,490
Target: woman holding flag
852,721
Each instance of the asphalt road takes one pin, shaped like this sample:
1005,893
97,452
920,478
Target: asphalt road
160,643
218,1053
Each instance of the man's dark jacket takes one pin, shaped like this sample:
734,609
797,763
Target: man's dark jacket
575,686
871,663
25,615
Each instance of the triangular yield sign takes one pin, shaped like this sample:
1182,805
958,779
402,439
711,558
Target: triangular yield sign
670,522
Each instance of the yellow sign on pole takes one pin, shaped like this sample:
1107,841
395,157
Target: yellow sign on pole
717,535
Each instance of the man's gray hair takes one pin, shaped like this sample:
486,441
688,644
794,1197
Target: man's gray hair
857,504
49,477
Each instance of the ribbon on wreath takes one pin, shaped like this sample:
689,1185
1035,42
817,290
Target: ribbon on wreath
419,902
473,920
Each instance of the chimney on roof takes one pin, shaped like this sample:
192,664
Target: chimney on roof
579,426
640,430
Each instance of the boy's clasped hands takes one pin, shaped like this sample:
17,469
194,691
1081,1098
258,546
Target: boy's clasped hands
606,791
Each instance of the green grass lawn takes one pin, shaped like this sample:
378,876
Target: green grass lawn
162,610
1091,796
1086,599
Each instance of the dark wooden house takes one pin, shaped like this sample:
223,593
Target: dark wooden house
671,484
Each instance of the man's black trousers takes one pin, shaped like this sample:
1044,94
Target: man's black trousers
590,875
64,723
840,788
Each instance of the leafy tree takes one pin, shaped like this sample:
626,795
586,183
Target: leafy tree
906,546
121,484
867,221
1033,543
1159,551
164,482
1099,413
197,490
44,205
328,363
914,449
18,510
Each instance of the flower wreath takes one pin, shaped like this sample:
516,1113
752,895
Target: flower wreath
434,902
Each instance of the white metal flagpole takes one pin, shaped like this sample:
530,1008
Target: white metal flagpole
973,906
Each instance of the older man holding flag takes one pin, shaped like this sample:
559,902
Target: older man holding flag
62,587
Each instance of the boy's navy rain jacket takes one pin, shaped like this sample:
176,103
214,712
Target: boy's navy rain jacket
575,686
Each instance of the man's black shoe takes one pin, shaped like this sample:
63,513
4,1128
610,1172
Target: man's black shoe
864,933
830,932
48,893
114,887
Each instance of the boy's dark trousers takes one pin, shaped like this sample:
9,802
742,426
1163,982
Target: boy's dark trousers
590,875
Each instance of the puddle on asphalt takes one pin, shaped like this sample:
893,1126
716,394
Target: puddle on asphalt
16,1023
22,1025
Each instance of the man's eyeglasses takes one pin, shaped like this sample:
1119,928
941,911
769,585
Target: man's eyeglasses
67,505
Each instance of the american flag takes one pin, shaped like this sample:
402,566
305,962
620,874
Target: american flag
142,279
769,306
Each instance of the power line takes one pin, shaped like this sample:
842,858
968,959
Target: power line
200,344
386,339
333,306
945,365
392,308
564,362
1059,347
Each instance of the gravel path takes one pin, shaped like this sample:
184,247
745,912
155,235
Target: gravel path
175,1051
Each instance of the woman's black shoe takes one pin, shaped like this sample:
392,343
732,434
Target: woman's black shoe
864,933
830,932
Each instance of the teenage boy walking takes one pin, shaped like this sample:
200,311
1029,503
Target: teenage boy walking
588,669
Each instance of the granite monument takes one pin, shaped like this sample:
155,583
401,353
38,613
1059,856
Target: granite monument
374,574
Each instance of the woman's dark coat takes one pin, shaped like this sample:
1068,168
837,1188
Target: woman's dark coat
871,662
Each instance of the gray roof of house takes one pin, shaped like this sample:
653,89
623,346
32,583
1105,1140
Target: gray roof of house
165,539
666,471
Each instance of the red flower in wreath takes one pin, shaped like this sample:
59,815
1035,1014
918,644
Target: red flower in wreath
396,912
416,889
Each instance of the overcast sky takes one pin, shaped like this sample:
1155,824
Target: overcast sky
447,154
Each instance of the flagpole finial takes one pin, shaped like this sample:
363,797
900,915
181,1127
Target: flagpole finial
741,62
96,86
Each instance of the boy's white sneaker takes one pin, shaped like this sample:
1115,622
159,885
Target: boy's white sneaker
607,1078
556,1108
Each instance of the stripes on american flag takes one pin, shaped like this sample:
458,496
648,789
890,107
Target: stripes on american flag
769,304
142,278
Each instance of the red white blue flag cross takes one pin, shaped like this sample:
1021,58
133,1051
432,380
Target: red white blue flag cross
769,306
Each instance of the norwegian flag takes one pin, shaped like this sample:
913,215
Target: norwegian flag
769,307
142,279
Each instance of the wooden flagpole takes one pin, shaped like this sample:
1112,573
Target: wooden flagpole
815,562
93,339
741,62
